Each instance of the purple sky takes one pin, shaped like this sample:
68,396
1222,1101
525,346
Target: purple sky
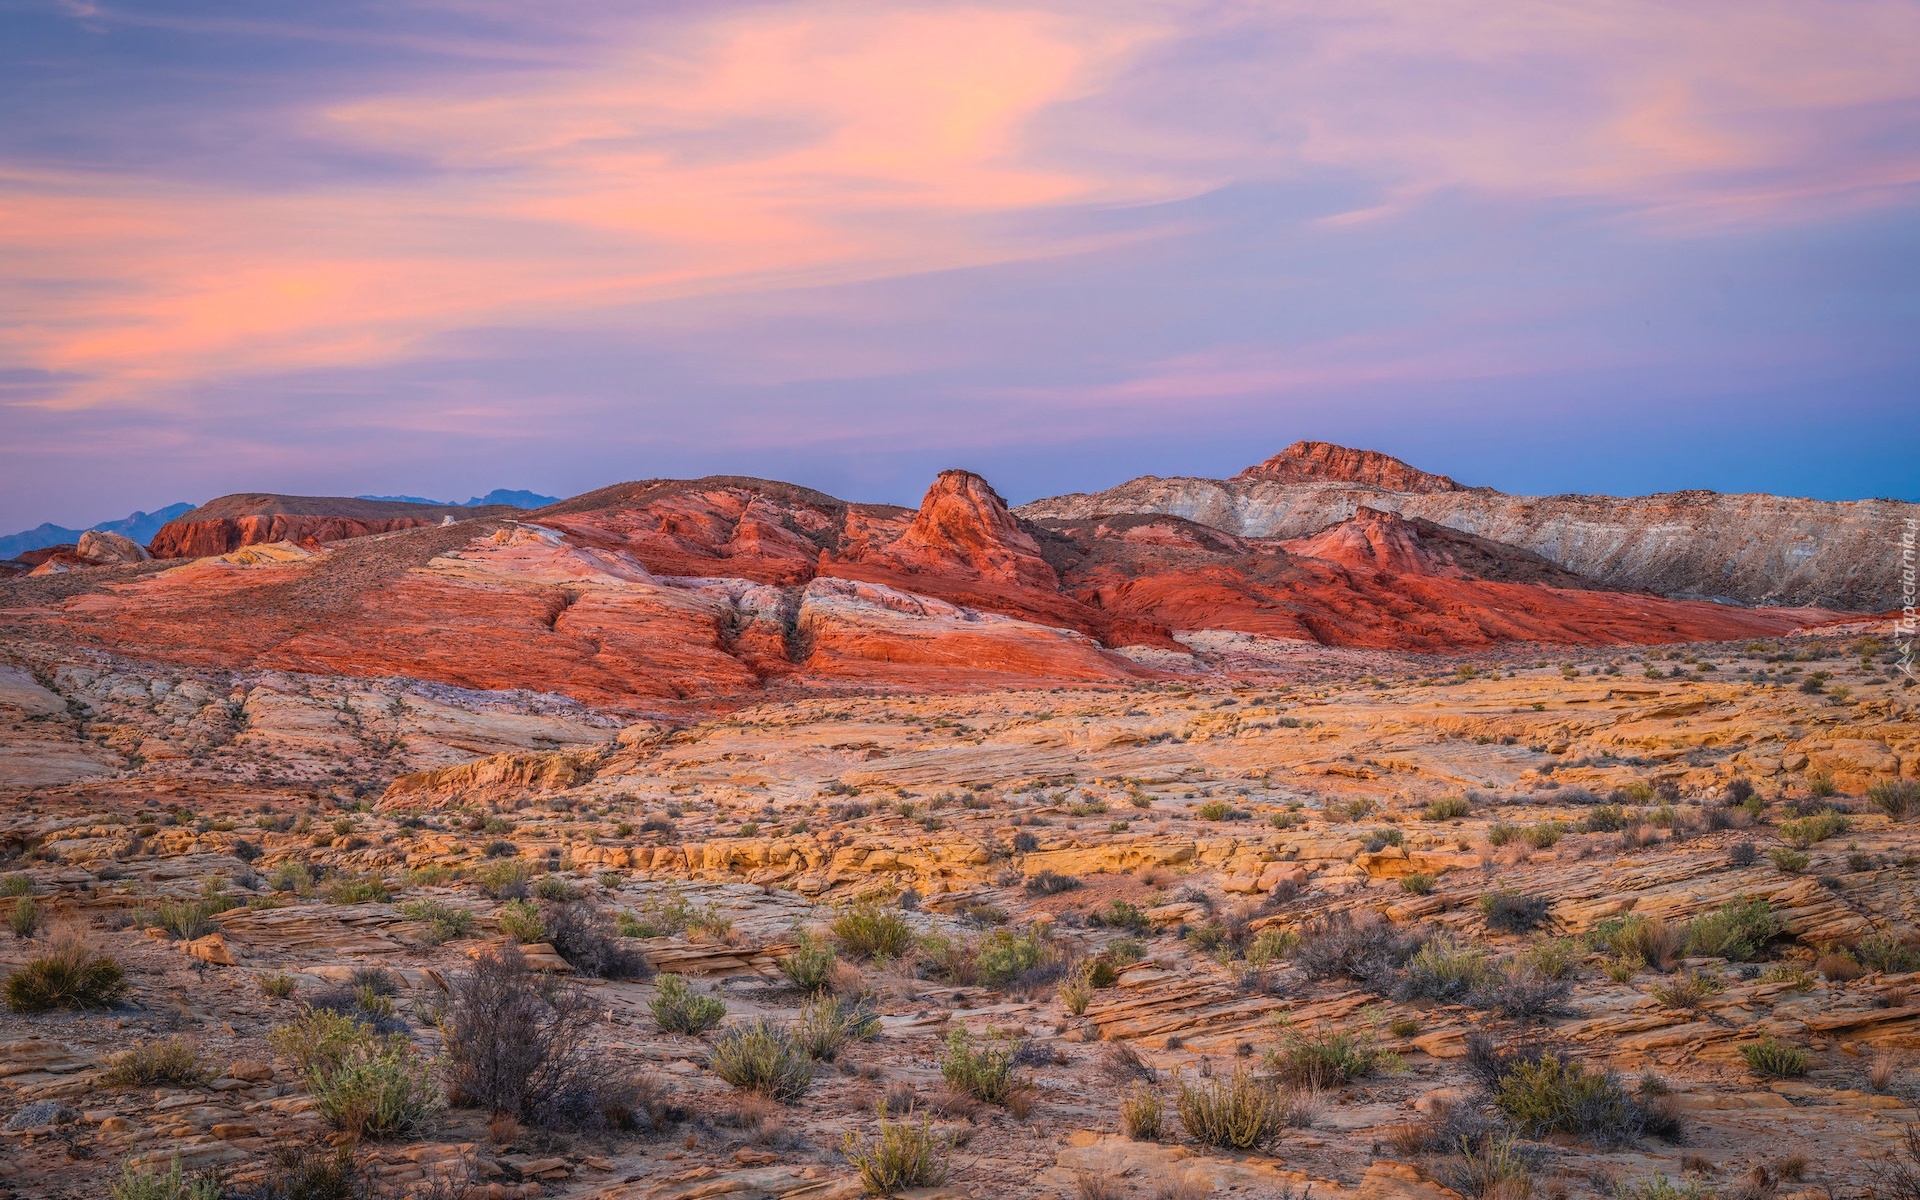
438,248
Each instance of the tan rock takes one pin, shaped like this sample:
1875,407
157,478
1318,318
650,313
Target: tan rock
212,948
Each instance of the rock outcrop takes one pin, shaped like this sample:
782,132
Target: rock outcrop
1324,462
1747,549
230,522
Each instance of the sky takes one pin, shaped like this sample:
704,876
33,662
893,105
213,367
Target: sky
436,247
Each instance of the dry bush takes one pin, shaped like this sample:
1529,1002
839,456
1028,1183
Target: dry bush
517,1042
762,1057
1121,1063
1142,1113
1881,1073
68,975
1097,1184
902,1155
586,937
1367,950
1235,1113
174,1062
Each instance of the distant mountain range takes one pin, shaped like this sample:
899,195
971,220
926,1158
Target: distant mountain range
140,526
518,499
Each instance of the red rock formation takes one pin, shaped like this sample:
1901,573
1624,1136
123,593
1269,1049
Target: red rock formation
230,522
1324,462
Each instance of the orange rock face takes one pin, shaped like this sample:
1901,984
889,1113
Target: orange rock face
245,519
1324,462
672,592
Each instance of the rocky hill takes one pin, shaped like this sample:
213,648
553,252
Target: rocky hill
1744,549
250,519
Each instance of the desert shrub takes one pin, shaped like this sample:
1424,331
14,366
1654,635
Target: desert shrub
810,966
762,1057
554,888
1742,854
521,921
949,959
1327,1059
867,931
139,1183
379,1088
1661,1188
1545,1094
1521,992
505,880
1608,818
1553,957
1122,915
1774,1058
516,1043
901,1155
1839,965
363,889
1447,1126
1122,951
1142,1113
984,1072
1738,930
586,938
1796,977
1883,952
1652,942
1367,950
69,975
1490,1168
277,985
24,919
444,922
174,1062
677,1008
1688,989
1050,883
827,1023
1076,990
658,916
1791,861
1419,883
1544,835
312,1172
1005,957
1895,797
1511,912
291,876
1235,1113
186,919
1447,971
1816,828
1270,945
16,885
1449,808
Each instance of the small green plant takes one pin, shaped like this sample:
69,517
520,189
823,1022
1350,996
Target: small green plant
1775,1059
1738,930
1270,945
552,887
505,878
1895,797
827,1023
24,920
1793,862
277,985
901,1155
16,885
867,931
1449,808
1643,940
762,1057
1817,828
174,1062
520,920
1883,952
1552,957
1004,955
1501,832
139,1183
1328,1059
1512,912
1544,835
677,1008
1404,1026
358,889
1447,971
1662,1188
1796,977
1122,914
444,922
810,966
379,1088
1142,1113
1688,990
186,919
1076,990
1419,883
69,975
985,1073
1820,784
1238,1112
1607,818
1214,810
1546,1095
